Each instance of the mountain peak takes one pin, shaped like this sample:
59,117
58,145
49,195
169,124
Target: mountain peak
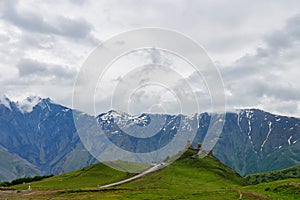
26,105
4,100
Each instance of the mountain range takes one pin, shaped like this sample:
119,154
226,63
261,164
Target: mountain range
39,137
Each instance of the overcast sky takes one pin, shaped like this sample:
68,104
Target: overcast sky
255,44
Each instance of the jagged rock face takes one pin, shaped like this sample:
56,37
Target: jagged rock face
43,135
254,141
145,136
251,140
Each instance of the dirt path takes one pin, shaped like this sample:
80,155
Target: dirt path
152,169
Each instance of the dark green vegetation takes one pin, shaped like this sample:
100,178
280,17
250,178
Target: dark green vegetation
187,178
24,180
265,177
282,189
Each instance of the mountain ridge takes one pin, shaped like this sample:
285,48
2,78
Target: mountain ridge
47,138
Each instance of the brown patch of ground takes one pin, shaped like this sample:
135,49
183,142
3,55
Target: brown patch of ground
252,195
24,194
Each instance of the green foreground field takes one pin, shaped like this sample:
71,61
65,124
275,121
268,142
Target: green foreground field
187,178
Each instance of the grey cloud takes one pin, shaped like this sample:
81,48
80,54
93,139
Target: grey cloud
40,41
226,29
294,27
253,88
76,28
278,40
284,107
156,56
4,38
79,2
267,57
34,22
263,78
29,21
29,67
285,37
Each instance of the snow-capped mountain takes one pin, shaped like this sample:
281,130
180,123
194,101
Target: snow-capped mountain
43,134
253,141
146,132
43,138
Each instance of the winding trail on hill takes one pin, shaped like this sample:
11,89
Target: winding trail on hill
150,170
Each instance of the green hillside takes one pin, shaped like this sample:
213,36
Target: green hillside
281,189
265,177
91,176
188,177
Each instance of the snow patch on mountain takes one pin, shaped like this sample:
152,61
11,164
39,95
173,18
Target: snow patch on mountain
66,110
249,113
5,101
270,129
27,105
239,119
125,119
289,140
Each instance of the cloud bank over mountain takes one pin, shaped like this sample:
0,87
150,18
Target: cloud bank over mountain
255,45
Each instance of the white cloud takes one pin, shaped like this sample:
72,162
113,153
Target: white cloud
255,44
268,78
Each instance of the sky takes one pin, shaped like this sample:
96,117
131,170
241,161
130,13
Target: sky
254,44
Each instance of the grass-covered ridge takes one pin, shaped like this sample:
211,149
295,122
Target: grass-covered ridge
189,177
281,189
265,177
91,176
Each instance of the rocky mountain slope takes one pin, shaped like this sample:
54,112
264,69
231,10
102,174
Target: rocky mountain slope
43,136
256,141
